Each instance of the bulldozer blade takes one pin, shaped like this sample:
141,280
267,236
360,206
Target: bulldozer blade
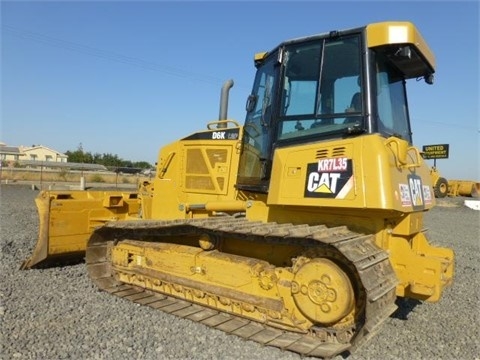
67,219
465,188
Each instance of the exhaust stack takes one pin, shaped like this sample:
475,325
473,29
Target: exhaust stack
224,100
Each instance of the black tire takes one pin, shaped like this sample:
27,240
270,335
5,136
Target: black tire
441,188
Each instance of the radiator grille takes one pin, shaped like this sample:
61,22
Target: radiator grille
201,169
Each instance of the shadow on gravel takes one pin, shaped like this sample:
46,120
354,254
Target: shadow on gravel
405,306
54,263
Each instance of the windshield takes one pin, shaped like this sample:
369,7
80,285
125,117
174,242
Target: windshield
321,92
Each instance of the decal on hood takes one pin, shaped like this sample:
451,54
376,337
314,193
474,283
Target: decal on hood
329,178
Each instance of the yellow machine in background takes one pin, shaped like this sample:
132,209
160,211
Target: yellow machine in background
298,229
443,187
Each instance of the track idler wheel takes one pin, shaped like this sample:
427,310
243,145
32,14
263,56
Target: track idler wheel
208,242
322,291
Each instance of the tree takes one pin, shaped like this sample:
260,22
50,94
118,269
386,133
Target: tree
76,156
106,159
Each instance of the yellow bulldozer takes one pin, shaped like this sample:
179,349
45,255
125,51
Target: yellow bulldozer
298,229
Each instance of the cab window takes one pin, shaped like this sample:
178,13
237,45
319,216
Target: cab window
321,88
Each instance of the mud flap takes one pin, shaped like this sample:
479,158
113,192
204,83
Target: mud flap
67,219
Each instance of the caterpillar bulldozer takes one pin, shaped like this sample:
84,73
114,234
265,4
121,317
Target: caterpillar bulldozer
298,229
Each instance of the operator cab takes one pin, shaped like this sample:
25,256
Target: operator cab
335,85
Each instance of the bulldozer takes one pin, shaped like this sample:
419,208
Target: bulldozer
298,229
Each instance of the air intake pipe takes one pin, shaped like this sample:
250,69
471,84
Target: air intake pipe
224,100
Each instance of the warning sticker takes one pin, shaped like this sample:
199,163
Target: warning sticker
427,194
405,195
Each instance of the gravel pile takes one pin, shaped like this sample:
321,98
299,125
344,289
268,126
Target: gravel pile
57,313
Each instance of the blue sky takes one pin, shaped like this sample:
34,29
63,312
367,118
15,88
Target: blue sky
128,77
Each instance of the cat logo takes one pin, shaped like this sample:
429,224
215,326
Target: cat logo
329,178
415,194
416,191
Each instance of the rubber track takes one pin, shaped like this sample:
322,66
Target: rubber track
371,263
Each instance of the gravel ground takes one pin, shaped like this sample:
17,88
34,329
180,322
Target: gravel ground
57,313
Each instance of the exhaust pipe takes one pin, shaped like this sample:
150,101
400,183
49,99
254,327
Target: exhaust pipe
224,100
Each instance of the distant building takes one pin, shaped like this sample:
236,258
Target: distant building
42,153
13,154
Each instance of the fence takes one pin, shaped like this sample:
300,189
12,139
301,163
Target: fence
44,177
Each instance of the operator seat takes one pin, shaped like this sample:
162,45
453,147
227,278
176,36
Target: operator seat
355,106
356,103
